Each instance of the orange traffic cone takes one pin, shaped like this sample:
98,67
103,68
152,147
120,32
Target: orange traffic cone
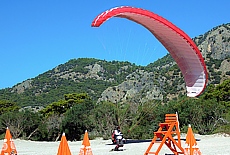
191,147
63,146
8,147
85,148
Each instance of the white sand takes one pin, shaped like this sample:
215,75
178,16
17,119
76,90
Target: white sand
209,145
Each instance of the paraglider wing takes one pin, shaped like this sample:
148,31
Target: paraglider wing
180,46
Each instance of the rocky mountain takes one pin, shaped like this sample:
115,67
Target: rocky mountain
116,81
215,48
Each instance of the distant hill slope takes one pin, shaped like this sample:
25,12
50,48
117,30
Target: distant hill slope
123,81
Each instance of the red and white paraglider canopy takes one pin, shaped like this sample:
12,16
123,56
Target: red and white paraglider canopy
181,47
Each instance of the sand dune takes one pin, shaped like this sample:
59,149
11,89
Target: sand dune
217,144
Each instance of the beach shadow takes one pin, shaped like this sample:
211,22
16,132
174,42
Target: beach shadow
184,139
131,141
120,149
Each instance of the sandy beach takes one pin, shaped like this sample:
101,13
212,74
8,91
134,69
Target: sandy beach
217,144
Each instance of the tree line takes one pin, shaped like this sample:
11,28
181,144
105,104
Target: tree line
77,112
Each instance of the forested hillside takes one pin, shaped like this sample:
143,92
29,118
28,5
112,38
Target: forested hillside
97,95
161,79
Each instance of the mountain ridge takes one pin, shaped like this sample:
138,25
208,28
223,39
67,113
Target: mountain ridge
118,81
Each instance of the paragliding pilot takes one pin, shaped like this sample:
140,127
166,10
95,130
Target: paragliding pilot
117,131
117,138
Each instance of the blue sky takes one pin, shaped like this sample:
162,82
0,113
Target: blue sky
38,35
